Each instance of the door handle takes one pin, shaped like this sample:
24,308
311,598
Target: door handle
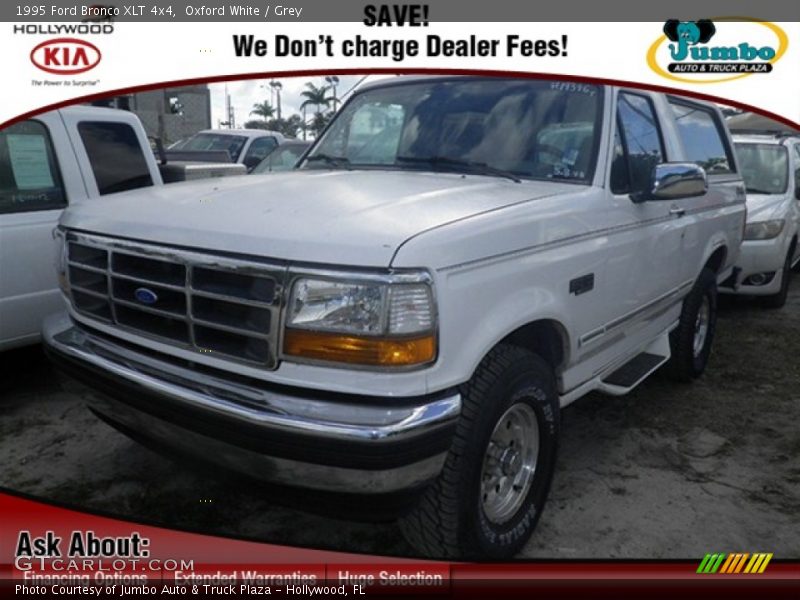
677,211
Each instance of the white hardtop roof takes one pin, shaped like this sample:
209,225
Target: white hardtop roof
85,110
250,133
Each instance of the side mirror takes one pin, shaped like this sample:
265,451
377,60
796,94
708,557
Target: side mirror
251,162
674,181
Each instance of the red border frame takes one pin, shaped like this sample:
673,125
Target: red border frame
595,579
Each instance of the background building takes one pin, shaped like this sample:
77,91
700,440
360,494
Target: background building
171,113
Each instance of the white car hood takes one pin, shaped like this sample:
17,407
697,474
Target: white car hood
764,207
340,217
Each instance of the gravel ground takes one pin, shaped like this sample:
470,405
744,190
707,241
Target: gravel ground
669,471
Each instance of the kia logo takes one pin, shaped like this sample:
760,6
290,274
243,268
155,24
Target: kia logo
145,296
65,56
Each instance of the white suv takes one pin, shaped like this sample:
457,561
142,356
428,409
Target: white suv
770,165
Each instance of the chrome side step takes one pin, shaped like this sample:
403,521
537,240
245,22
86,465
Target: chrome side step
626,377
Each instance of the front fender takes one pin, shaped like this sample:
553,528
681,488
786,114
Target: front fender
485,305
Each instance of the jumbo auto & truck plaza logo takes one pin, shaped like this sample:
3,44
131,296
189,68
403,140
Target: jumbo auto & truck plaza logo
706,51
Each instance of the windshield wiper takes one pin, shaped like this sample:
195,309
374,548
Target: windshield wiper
758,191
336,161
458,164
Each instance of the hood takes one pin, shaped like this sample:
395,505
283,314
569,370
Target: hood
356,218
764,207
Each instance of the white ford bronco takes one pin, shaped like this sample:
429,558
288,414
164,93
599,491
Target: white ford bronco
454,261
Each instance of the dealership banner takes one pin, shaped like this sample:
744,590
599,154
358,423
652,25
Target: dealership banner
52,551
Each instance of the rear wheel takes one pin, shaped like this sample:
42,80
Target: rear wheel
487,500
690,342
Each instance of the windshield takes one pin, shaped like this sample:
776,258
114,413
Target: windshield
284,158
765,167
215,141
513,128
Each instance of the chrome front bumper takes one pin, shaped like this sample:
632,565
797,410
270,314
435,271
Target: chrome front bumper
283,435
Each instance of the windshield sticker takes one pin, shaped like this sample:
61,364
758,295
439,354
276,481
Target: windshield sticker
29,161
575,88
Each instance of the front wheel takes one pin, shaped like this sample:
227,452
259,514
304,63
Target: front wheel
486,502
690,342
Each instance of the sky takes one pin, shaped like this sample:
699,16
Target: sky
244,94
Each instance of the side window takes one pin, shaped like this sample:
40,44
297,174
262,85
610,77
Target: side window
258,150
797,174
640,139
115,155
29,175
702,137
620,178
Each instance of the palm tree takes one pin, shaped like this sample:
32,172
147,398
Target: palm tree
319,122
290,127
263,109
318,96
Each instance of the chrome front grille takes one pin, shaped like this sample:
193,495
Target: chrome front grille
205,303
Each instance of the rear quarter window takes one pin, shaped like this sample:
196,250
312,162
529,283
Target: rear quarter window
702,134
116,157
29,176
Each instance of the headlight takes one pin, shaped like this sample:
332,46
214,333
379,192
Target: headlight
374,323
763,230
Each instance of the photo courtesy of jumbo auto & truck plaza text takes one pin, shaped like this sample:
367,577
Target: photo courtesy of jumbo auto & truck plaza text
435,298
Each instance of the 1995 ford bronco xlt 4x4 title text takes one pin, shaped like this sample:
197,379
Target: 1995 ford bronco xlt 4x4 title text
455,260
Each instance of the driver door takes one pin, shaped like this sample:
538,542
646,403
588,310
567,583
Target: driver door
645,254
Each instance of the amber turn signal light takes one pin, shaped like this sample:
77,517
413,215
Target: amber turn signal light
360,350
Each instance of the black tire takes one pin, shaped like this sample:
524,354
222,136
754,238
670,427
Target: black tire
449,521
686,364
779,300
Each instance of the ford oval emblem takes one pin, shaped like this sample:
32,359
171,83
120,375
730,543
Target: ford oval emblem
146,296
